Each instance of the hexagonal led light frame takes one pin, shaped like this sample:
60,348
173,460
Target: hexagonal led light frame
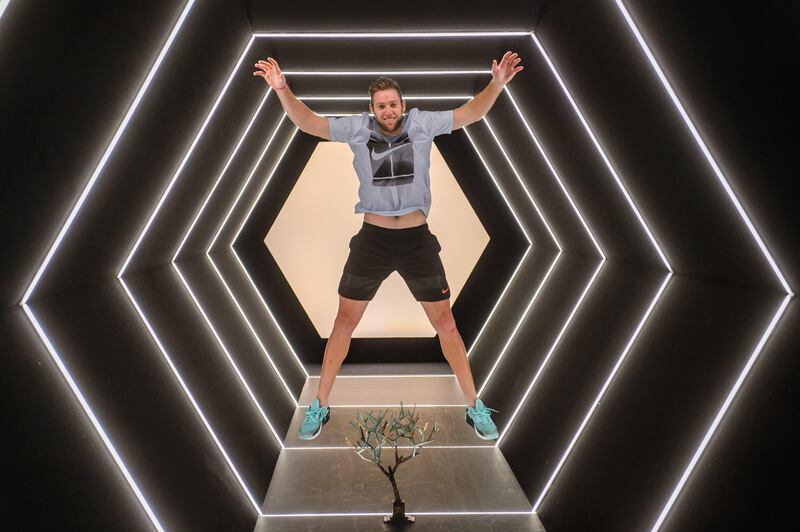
74,211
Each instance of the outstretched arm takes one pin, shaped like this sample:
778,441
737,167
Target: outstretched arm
477,107
303,117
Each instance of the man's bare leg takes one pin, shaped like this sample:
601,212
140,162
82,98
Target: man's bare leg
347,318
441,317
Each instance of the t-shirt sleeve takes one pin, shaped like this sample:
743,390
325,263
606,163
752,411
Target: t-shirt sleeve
436,122
344,128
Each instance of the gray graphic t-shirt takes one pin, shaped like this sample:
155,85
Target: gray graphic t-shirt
393,172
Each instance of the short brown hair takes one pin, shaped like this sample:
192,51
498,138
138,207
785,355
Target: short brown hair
383,83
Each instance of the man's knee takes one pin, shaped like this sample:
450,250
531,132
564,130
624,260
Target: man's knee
345,323
444,324
349,315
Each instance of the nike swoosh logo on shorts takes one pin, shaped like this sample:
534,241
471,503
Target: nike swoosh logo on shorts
381,155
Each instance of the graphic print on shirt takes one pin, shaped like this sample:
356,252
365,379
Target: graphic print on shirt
392,162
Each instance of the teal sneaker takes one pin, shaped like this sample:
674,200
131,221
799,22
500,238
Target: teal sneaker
481,418
316,416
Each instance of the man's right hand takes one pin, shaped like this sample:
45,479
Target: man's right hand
271,72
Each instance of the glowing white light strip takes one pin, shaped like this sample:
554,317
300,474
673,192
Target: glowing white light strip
599,397
499,299
519,263
384,72
321,448
496,184
522,183
520,321
244,185
191,398
549,354
107,153
458,405
271,315
254,333
90,414
555,173
389,376
392,35
228,355
3,6
366,98
264,187
222,173
602,153
188,154
711,161
384,513
728,400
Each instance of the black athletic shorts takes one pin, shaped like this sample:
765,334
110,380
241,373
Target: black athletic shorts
375,252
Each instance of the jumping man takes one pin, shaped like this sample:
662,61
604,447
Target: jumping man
391,159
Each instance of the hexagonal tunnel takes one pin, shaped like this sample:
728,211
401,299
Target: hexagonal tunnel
177,283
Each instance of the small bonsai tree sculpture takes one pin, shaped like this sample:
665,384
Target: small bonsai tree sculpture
387,430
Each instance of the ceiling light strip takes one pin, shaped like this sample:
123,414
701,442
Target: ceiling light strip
191,398
222,174
107,153
385,72
367,98
706,152
602,153
188,154
90,414
600,395
389,35
721,413
253,332
228,355
547,357
555,173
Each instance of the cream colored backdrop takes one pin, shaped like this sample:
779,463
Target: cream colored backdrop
310,238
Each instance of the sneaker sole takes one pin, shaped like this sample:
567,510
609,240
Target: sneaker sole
481,436
319,430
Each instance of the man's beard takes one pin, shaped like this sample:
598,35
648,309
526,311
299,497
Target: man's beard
397,125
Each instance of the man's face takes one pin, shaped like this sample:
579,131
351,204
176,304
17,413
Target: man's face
388,109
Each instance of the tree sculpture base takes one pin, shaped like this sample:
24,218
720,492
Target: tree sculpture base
398,514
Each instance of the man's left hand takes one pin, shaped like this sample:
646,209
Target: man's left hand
507,68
